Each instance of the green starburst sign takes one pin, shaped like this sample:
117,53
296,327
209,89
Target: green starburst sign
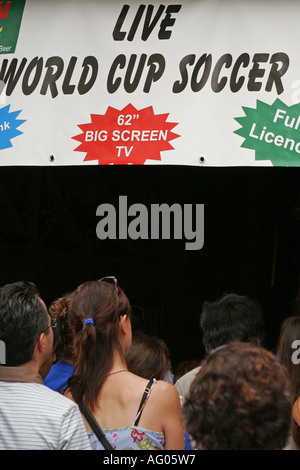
273,131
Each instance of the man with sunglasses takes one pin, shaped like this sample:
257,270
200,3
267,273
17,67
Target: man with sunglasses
32,417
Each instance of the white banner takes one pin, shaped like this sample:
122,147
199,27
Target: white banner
206,83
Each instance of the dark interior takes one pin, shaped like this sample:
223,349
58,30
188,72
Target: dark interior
252,240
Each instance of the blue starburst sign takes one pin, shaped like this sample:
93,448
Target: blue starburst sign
9,126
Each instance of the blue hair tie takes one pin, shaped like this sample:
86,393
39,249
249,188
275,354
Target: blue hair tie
89,320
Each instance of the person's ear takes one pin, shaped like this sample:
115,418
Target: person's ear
124,324
41,343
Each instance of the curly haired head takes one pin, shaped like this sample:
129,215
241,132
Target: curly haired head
59,309
239,400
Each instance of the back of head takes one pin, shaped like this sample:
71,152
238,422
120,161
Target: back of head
22,318
185,367
59,309
148,357
231,318
290,332
94,316
239,400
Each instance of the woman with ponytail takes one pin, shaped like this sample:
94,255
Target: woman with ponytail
133,413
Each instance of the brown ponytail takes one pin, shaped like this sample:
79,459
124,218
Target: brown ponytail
95,340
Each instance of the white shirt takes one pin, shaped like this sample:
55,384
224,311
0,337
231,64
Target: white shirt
183,383
34,417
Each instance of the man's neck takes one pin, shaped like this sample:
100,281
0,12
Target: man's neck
32,365
19,374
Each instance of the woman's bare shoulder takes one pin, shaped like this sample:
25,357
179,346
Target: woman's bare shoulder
166,391
162,384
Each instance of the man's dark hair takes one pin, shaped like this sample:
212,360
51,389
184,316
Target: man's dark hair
232,318
23,318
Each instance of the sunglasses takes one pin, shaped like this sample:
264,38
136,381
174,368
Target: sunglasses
53,324
113,280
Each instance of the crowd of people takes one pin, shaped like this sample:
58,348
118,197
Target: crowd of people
80,375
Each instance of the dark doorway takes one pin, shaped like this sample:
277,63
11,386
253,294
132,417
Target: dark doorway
252,224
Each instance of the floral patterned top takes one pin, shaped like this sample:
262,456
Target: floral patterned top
132,437
129,438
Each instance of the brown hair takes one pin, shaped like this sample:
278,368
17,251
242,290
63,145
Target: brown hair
148,357
289,332
185,367
59,309
239,400
95,343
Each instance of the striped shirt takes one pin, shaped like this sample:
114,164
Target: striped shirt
34,417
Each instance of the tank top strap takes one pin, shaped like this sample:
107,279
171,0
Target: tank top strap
144,399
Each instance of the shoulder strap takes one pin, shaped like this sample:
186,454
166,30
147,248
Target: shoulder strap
94,425
144,400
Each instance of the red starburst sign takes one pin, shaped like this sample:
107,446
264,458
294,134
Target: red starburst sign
126,136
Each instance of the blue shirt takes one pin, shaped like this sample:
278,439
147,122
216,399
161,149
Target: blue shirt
58,376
